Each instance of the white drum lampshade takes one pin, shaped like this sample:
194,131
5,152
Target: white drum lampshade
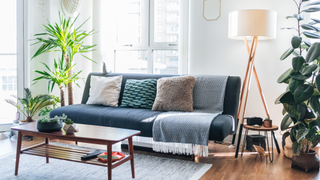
252,22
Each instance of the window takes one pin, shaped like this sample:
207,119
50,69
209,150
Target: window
8,58
145,31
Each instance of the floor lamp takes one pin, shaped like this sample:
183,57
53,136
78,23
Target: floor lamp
253,24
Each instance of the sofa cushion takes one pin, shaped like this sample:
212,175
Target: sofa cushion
128,118
139,93
174,94
105,90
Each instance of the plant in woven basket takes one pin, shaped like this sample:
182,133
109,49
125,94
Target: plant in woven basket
301,100
31,105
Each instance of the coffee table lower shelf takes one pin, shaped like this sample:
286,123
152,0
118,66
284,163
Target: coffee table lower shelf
68,153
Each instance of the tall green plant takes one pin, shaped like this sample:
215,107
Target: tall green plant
67,39
301,100
31,105
59,75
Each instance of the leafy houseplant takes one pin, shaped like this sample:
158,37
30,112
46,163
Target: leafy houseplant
67,39
46,124
301,100
59,75
31,105
46,110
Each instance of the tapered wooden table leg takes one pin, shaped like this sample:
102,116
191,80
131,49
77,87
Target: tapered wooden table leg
131,154
47,142
18,152
109,151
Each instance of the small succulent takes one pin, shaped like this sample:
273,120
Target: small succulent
68,121
55,119
267,119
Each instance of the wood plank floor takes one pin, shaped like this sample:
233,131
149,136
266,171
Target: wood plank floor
225,166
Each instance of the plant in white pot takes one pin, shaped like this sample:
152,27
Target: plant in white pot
300,102
69,127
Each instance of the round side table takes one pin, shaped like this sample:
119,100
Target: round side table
266,130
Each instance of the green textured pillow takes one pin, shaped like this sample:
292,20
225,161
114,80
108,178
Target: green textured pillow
139,93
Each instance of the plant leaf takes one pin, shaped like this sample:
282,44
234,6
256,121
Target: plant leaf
312,9
285,76
296,147
285,97
292,110
294,83
299,17
301,134
299,76
315,140
297,63
316,20
317,82
313,53
313,3
285,123
311,35
309,27
314,102
287,53
309,69
303,92
296,41
307,43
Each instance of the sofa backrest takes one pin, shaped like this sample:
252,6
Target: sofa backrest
231,100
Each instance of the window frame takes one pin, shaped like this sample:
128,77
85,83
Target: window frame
151,45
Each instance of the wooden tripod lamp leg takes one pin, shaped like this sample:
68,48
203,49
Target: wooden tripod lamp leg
245,89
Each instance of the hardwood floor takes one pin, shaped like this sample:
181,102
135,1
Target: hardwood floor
225,166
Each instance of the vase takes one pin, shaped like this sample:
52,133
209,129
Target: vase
267,123
49,126
306,161
69,128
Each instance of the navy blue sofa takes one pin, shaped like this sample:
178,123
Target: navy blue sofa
142,119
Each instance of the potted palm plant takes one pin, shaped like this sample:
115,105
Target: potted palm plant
67,39
31,105
59,75
301,106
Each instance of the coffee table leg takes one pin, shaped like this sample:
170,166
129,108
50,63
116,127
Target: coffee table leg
109,151
47,158
131,154
18,152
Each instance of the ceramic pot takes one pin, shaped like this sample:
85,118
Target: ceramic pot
69,128
49,127
267,123
306,161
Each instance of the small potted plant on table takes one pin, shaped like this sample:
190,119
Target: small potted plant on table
46,124
267,122
69,126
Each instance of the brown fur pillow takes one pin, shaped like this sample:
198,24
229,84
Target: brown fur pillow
174,94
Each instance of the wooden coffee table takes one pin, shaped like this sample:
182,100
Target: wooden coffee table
86,133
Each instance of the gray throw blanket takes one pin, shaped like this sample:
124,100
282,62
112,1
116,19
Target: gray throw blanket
188,132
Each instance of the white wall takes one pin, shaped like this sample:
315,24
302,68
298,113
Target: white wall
212,52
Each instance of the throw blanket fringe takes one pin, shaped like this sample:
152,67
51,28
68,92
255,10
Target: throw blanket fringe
188,132
181,148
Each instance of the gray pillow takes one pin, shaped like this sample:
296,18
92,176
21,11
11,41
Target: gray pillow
174,94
